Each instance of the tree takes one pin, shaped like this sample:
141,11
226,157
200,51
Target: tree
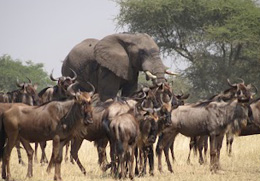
220,38
13,70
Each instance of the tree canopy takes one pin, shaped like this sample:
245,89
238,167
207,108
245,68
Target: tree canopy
220,38
13,70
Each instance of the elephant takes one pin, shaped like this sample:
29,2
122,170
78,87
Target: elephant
112,64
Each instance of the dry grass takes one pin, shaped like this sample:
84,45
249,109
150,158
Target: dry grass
243,165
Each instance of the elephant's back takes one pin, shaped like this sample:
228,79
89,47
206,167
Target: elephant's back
80,55
81,60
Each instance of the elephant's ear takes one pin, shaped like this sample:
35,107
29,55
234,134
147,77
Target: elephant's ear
110,52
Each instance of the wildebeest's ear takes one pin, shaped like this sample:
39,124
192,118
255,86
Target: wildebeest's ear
35,86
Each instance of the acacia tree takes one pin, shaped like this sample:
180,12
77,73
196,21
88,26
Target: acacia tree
11,70
219,38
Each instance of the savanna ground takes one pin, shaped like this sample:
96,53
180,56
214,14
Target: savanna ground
243,165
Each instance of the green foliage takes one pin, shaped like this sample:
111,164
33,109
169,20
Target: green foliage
11,70
220,38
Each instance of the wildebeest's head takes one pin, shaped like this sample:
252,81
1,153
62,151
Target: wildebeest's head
178,100
27,93
84,99
64,81
241,91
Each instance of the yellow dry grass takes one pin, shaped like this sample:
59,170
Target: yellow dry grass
243,165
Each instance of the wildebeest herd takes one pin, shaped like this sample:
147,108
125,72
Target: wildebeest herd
98,100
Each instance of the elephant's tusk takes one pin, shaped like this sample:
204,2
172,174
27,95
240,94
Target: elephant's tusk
149,74
170,73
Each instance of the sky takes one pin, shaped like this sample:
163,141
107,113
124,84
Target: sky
45,31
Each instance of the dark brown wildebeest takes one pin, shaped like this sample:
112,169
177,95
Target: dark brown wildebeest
59,91
124,132
98,130
252,128
55,93
205,118
57,121
25,94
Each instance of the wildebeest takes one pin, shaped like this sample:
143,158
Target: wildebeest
205,118
252,128
124,132
56,93
26,94
98,130
59,91
57,121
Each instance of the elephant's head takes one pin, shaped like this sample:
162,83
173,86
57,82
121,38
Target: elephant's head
126,54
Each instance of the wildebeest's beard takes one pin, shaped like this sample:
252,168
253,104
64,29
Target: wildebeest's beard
153,132
165,117
240,118
69,119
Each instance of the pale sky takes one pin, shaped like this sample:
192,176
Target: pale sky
44,31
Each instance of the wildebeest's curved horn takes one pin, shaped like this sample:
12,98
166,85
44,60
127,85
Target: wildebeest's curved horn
249,86
140,98
75,75
92,87
29,80
170,73
243,82
70,89
51,77
231,85
150,110
19,84
149,74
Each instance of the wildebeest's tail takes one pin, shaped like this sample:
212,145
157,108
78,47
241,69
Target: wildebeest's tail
2,138
119,144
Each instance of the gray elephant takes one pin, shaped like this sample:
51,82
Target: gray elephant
113,63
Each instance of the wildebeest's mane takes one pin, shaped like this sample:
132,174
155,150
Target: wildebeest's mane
43,91
100,106
202,103
43,104
228,90
71,116
255,100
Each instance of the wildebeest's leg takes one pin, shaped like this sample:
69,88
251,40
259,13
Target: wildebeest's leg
219,140
172,151
192,144
143,158
35,153
229,141
102,156
12,140
66,158
213,153
43,157
55,152
200,148
20,161
113,158
29,152
166,152
205,145
131,165
159,148
136,161
151,160
122,173
74,153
